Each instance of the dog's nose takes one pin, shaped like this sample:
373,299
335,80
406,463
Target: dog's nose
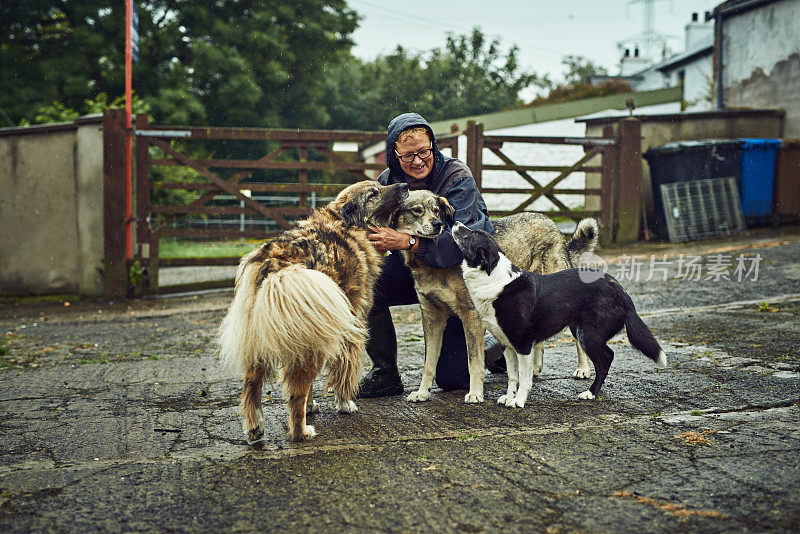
437,225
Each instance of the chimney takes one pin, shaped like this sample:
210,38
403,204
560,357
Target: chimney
698,32
632,63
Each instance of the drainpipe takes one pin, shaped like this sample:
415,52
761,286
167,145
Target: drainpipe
720,103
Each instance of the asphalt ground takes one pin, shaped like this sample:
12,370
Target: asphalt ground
117,417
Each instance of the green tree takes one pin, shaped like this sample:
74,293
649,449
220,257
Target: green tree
245,63
468,75
471,75
579,68
58,112
54,51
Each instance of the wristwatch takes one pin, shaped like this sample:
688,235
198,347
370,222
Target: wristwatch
411,242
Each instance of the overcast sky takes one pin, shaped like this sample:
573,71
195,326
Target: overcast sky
545,31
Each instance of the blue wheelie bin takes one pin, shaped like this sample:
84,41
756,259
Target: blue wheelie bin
757,178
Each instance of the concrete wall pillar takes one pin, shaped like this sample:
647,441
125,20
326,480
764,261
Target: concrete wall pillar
89,207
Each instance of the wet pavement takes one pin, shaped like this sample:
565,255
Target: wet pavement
117,417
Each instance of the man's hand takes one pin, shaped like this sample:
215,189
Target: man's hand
384,239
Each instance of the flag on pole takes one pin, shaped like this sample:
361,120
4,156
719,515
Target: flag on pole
135,33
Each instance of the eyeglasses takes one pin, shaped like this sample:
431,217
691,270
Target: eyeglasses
408,158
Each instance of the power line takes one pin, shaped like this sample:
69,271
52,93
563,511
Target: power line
535,49
649,39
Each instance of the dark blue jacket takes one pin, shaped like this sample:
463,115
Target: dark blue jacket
449,178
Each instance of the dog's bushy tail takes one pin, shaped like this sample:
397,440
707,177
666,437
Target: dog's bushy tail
238,347
295,314
584,240
642,339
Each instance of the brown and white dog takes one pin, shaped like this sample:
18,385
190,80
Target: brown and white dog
301,302
532,241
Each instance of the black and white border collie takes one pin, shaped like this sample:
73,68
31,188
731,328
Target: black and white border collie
521,309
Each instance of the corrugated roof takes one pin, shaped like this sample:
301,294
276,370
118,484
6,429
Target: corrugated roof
551,112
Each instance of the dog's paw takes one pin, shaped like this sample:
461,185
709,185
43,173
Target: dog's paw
254,435
346,406
312,407
586,395
502,399
516,402
473,398
257,432
418,396
307,433
582,373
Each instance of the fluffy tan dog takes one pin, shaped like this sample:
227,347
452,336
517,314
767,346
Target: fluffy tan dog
301,302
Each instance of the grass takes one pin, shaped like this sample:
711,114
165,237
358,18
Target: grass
7,361
168,248
764,307
83,361
465,435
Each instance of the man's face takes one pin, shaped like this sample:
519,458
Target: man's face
418,168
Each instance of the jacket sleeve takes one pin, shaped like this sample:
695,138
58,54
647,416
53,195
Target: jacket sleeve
442,251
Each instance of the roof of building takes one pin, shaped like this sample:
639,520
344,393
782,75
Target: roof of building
703,49
732,7
551,112
715,114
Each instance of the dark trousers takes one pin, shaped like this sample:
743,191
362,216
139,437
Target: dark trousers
395,286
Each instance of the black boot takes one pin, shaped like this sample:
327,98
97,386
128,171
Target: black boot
493,354
384,378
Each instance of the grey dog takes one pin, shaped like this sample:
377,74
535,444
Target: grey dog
532,241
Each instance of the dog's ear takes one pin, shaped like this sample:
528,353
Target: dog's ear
352,214
487,260
446,210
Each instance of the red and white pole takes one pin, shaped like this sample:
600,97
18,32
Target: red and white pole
128,130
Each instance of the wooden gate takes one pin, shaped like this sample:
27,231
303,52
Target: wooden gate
307,163
612,164
238,173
